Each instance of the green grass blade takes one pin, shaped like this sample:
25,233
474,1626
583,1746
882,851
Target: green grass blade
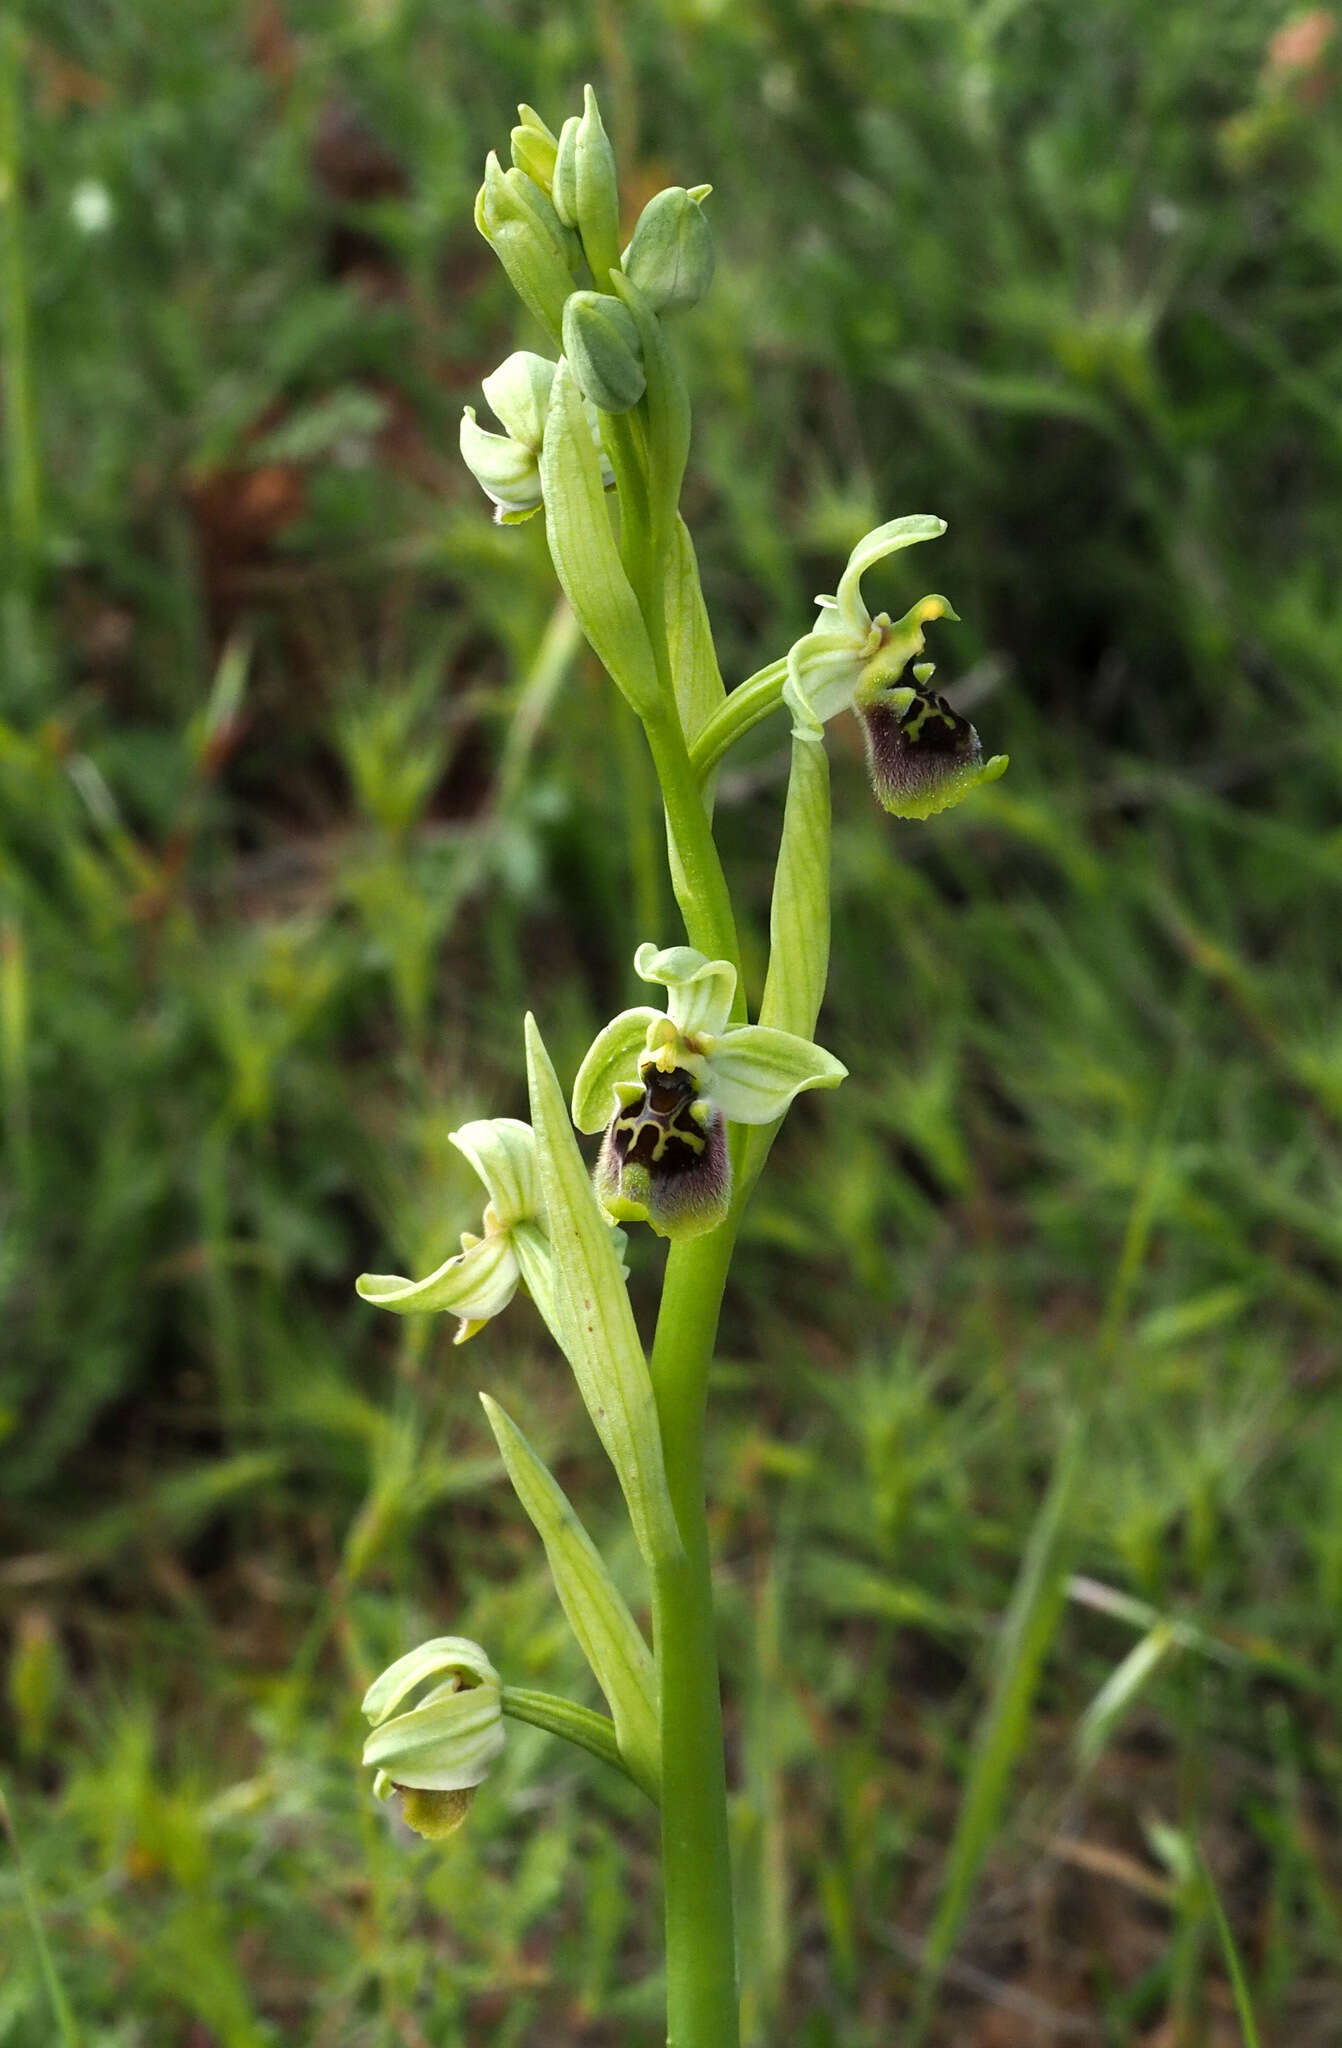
60,2005
1239,1983
1027,1632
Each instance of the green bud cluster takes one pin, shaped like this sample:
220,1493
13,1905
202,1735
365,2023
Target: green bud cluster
553,220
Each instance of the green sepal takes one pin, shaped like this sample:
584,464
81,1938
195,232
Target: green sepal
445,1745
611,1058
593,1312
582,546
874,547
699,992
534,147
607,1634
502,1151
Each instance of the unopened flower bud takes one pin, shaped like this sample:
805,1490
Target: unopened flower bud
534,148
670,257
520,225
601,343
585,187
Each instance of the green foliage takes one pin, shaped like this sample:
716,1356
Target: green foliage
273,718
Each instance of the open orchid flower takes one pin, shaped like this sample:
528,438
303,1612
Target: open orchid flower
664,1084
923,755
436,1750
481,1279
507,466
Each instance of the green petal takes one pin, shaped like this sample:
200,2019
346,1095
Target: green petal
474,1285
755,1072
874,547
611,1057
699,991
503,1152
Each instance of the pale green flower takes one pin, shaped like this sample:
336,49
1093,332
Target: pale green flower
437,1751
923,755
480,1280
507,466
664,1083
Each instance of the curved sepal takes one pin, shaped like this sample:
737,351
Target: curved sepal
757,1071
502,1150
872,548
700,992
612,1057
441,1657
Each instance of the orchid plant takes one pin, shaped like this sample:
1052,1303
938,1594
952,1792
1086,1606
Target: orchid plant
688,1097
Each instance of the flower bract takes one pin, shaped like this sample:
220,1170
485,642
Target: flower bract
664,1083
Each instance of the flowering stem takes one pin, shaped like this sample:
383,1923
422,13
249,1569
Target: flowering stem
743,708
701,1987
700,885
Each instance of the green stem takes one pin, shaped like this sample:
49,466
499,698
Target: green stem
701,1986
696,871
742,709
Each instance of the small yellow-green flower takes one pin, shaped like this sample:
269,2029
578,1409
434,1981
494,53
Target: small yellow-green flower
480,1280
923,755
664,1084
438,1750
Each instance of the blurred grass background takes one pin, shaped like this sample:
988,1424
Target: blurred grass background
305,789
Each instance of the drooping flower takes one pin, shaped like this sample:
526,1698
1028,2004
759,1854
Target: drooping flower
507,466
480,1280
923,755
437,1751
664,1084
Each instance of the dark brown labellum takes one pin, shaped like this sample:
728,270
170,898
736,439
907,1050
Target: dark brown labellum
921,753
664,1158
